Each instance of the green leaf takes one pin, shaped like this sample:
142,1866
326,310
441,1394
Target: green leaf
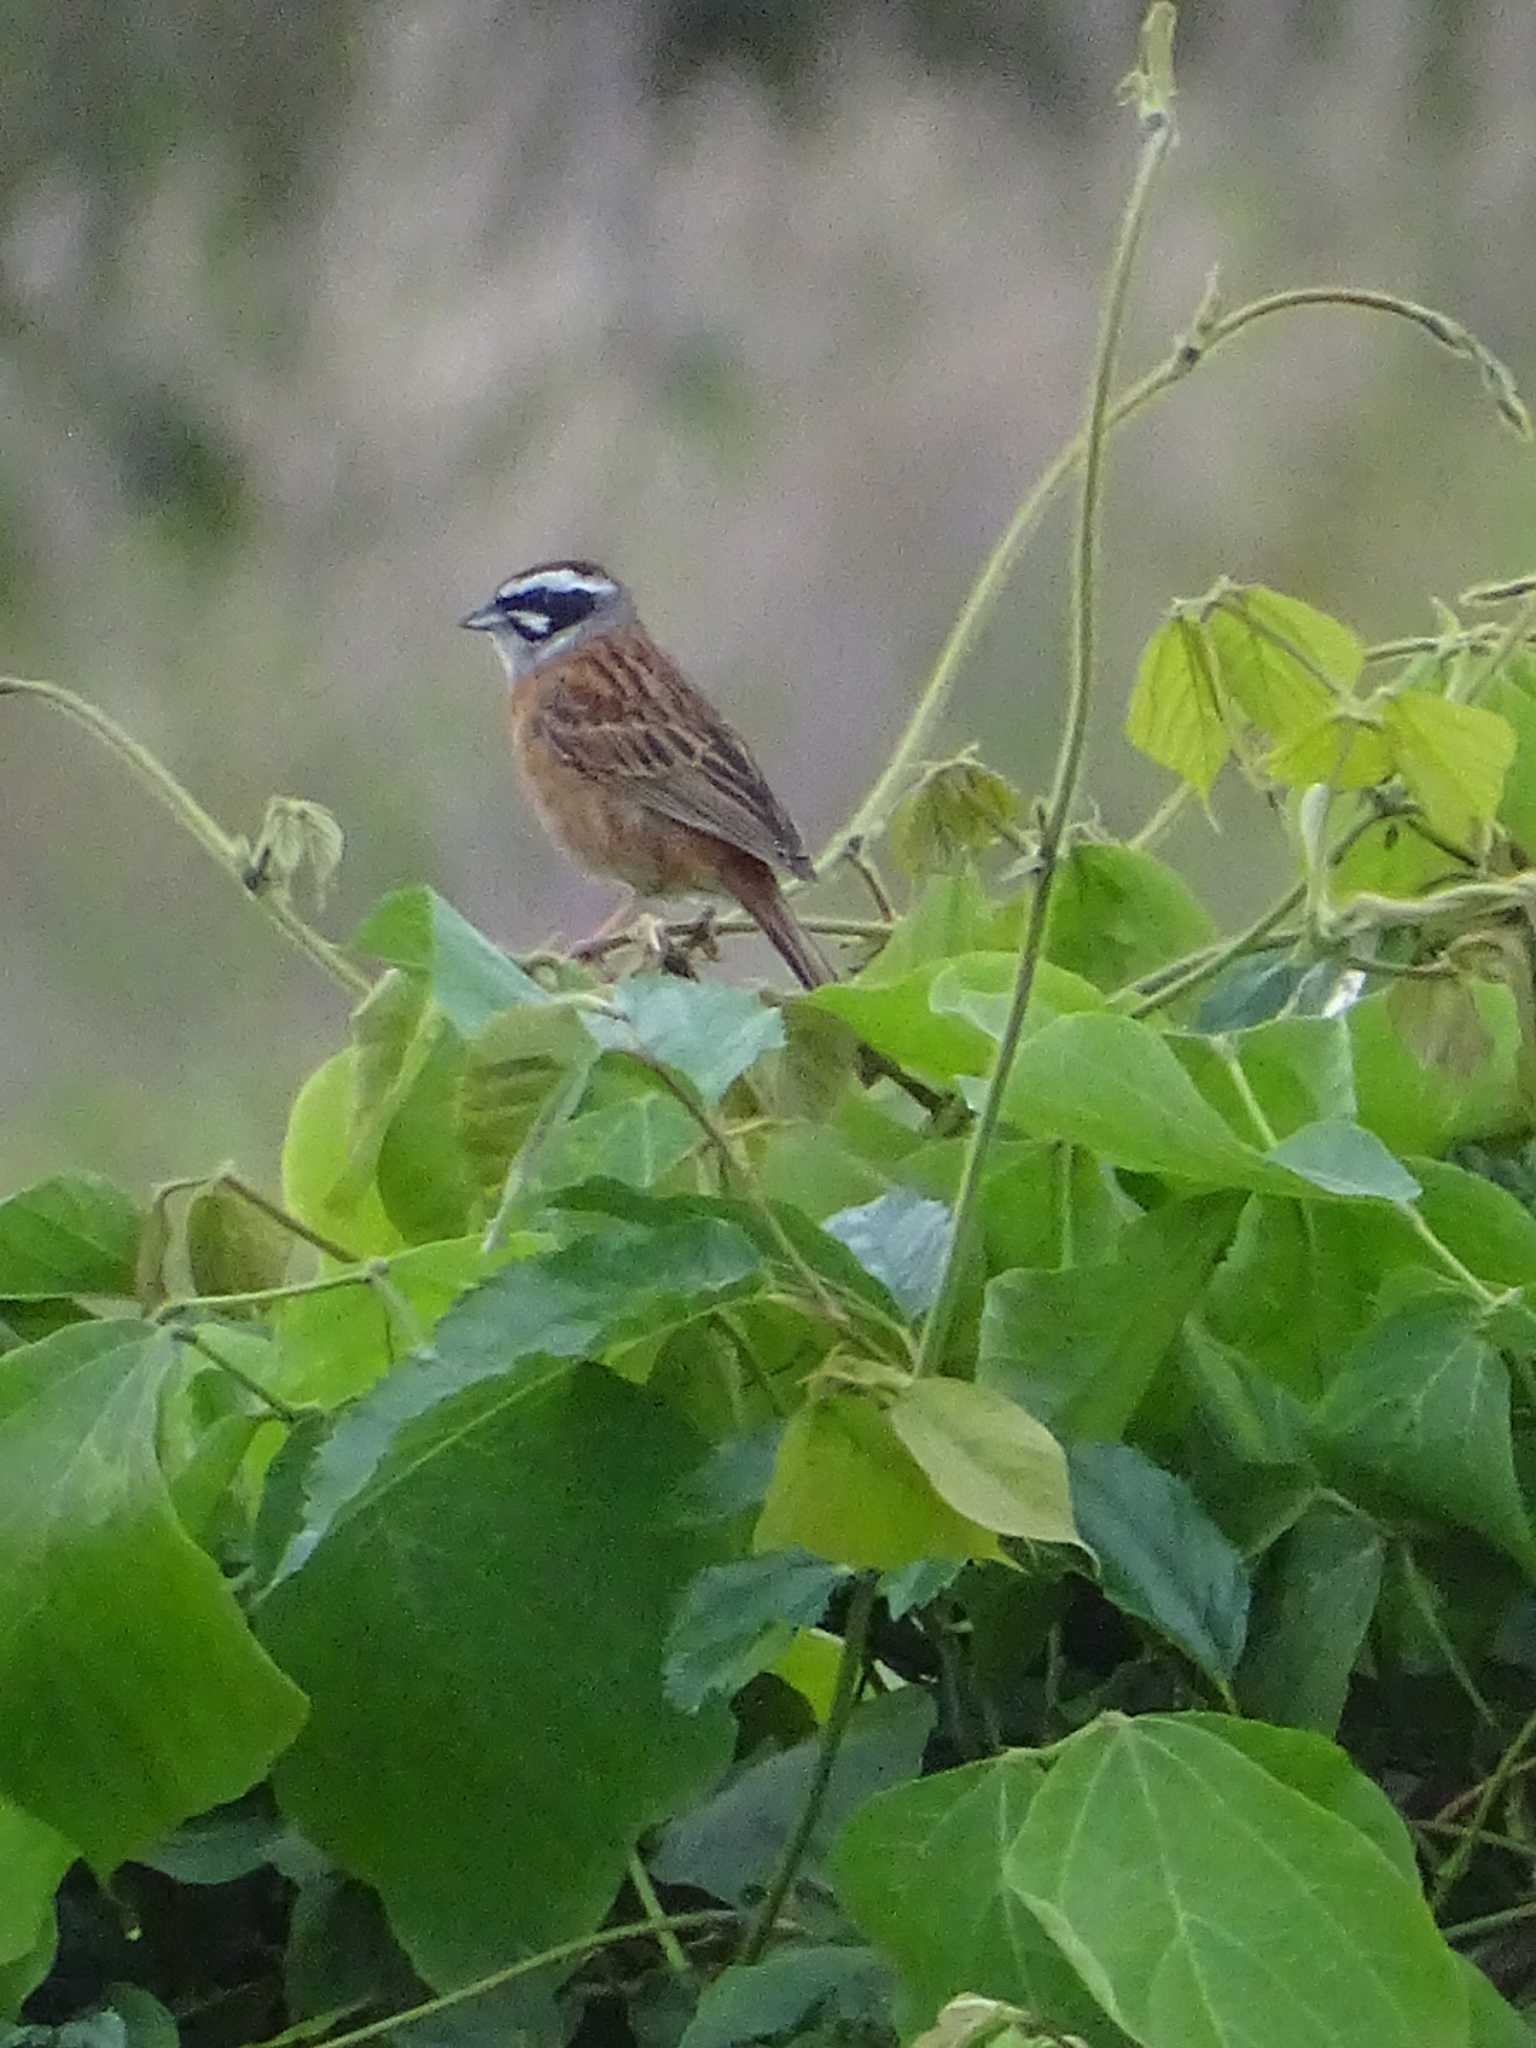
903,1240
1323,1773
1343,1159
945,1017
33,1860
1313,1606
426,1177
1345,748
921,1871
1416,1108
1269,650
469,978
1299,1070
725,1846
1175,715
1203,1900
232,1248
737,1617
1510,695
793,1989
895,1018
1161,1557
396,1030
1421,1408
1453,757
315,1155
952,914
1116,913
1296,1290
71,1235
1081,1347
987,1457
131,1693
846,1488
705,1030
497,1515
1116,1087
980,989
334,1345
1493,2020
637,1141
958,807
602,1290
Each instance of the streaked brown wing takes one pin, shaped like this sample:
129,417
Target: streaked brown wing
623,714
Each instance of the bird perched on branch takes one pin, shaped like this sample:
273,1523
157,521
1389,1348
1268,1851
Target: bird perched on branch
632,772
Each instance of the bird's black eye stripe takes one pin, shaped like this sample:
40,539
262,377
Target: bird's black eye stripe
540,610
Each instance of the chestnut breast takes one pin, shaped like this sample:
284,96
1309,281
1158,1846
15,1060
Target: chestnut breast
603,827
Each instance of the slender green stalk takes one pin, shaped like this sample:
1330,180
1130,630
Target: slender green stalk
850,1671
1490,1923
283,1410
1157,139
1514,635
220,846
1455,1864
671,1947
563,1952
236,1184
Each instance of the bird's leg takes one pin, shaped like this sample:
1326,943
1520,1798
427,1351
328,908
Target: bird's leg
699,936
600,942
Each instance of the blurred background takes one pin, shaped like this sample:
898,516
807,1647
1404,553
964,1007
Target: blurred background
318,321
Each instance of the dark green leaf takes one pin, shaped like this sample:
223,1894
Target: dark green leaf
1313,1606
1161,1557
727,1846
1421,1408
72,1235
494,1517
119,1716
737,1617
794,1989
1080,1347
469,978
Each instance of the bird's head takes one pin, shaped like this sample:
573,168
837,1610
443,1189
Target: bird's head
549,610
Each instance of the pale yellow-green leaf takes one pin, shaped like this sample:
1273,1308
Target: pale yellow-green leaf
845,1488
1276,657
1453,757
1338,750
988,1457
1174,716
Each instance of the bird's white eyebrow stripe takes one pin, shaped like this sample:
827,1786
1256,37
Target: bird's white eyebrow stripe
557,582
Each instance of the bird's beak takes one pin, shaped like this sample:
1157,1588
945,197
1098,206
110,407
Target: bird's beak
482,618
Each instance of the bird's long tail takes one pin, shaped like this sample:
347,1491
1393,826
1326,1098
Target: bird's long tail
756,890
